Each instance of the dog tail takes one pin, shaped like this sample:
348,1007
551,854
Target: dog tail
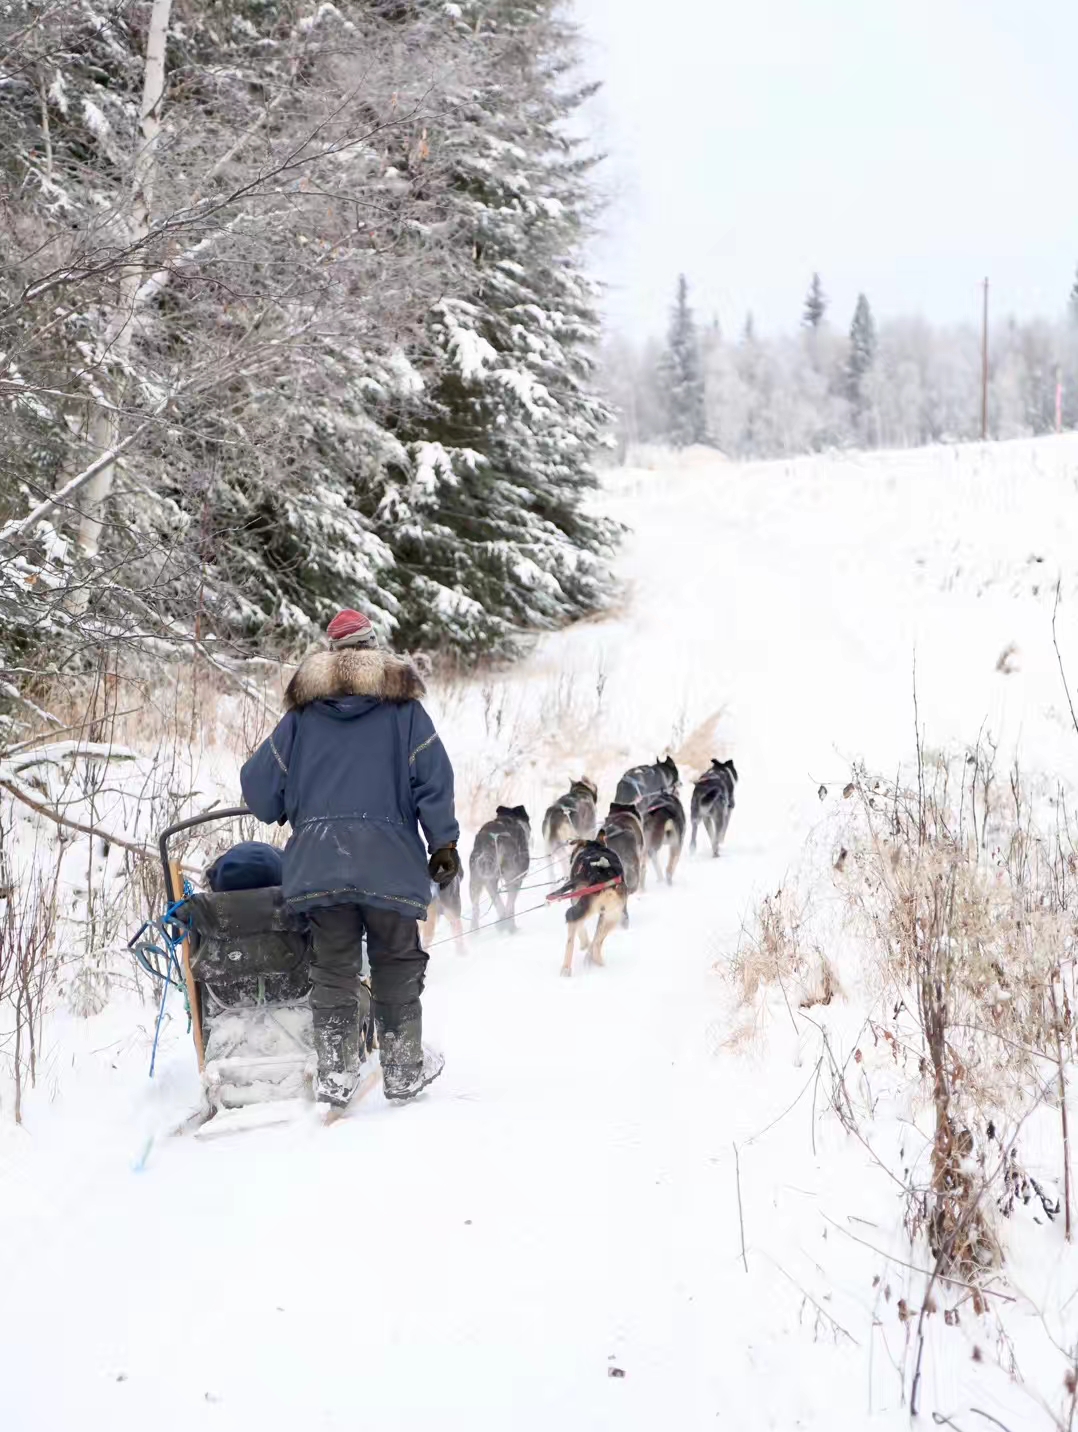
557,828
483,864
578,910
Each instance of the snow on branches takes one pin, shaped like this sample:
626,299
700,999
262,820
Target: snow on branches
304,291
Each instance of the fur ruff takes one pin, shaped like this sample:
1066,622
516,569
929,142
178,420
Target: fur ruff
353,671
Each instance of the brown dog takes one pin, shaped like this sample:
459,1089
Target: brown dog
594,865
443,903
623,831
664,827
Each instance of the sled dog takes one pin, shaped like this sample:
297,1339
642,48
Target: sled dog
443,903
664,828
499,862
572,816
638,785
712,802
623,832
594,864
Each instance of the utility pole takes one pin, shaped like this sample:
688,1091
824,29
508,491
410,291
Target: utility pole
984,368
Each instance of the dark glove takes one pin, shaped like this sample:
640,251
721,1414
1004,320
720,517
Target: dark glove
444,865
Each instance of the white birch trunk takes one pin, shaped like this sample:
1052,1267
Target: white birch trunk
105,426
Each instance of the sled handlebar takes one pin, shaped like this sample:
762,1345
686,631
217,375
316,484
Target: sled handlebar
229,813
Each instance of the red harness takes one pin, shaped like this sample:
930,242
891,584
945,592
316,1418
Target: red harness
587,890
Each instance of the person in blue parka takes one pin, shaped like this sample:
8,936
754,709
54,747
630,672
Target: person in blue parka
356,767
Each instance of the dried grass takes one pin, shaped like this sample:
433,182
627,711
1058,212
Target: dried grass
780,948
697,750
964,911
28,965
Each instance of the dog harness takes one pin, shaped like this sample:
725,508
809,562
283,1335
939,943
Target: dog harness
587,890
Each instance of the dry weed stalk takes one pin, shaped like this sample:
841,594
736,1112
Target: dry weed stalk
86,786
960,899
771,952
779,949
28,914
967,922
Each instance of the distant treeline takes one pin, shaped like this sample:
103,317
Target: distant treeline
899,383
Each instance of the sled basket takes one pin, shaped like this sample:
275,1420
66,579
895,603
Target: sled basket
247,946
246,963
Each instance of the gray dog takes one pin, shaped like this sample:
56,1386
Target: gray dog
499,862
640,784
712,802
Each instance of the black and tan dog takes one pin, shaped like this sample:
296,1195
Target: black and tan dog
712,802
597,885
664,829
444,904
623,832
640,784
499,862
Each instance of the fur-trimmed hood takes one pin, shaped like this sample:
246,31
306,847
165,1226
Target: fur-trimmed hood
353,672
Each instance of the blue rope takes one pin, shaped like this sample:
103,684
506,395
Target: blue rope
162,961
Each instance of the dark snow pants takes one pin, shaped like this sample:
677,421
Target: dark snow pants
398,966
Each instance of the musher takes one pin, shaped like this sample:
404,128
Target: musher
356,766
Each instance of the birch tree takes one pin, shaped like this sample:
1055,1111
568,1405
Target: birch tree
240,271
116,348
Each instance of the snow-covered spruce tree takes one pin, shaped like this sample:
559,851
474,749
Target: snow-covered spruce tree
202,288
485,519
343,199
861,357
682,375
328,203
815,309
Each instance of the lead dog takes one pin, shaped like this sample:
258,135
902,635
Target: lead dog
571,817
597,882
499,862
639,784
443,903
664,829
712,802
623,832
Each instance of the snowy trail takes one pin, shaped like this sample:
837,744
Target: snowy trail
563,1202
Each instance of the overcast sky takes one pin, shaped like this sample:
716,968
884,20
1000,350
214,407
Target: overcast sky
902,147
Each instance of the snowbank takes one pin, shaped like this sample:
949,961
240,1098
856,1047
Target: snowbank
561,1233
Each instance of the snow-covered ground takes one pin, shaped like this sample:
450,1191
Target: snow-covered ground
552,1236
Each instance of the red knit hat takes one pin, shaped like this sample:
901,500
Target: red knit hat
350,628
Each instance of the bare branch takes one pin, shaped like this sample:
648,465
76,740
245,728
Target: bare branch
14,530
1059,657
27,798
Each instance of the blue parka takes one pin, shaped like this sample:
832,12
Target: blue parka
354,766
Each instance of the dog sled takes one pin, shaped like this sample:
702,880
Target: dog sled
241,959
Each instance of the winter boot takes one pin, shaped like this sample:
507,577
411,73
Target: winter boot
407,1067
339,1046
336,1089
406,1081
